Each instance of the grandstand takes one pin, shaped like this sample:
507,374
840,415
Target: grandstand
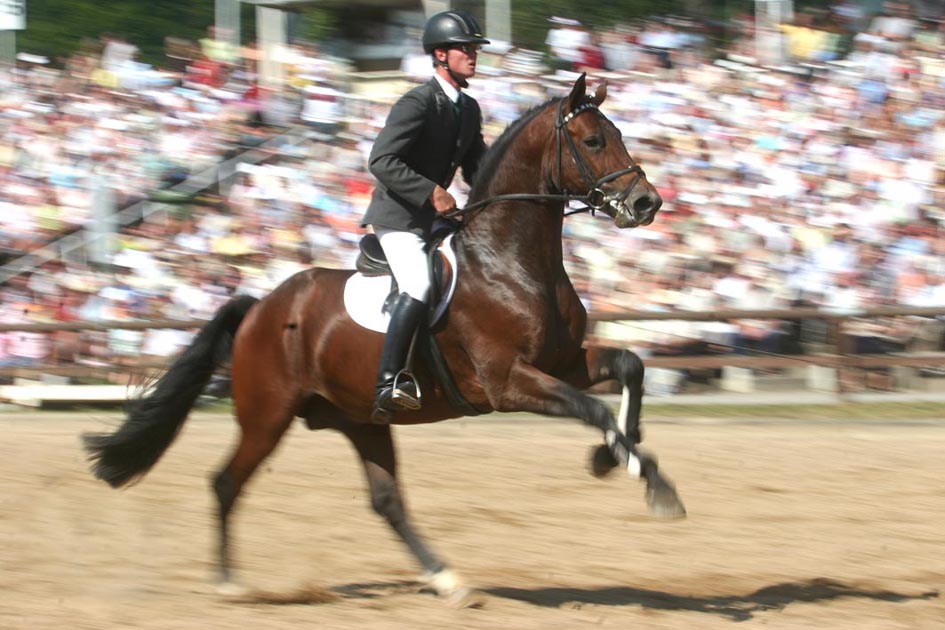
807,183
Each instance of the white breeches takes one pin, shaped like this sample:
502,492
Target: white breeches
408,261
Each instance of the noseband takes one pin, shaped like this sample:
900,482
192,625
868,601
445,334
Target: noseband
595,198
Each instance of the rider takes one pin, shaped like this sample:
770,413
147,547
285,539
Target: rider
431,131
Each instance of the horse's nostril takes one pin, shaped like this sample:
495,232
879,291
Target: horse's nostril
645,203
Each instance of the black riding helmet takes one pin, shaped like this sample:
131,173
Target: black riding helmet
451,27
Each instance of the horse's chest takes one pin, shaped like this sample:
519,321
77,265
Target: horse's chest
559,334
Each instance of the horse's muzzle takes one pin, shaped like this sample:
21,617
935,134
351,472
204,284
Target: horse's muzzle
641,212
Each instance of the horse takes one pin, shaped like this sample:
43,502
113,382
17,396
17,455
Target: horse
511,338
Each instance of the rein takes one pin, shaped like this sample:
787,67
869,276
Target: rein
528,197
594,199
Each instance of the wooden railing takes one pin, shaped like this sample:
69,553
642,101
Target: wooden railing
834,358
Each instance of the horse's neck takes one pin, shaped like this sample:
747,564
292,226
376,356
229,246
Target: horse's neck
516,235
521,234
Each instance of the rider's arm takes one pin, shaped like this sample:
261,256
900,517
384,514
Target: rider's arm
387,162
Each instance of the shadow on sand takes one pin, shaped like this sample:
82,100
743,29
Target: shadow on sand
734,607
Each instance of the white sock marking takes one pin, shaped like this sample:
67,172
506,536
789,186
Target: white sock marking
624,410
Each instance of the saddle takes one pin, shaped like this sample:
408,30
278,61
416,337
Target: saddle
372,262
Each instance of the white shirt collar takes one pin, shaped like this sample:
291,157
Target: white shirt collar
451,92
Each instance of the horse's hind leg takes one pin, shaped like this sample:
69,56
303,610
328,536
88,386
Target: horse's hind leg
257,441
375,446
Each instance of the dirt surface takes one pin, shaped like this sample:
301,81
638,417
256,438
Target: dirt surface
791,525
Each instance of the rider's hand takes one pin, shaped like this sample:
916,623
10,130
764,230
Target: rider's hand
442,200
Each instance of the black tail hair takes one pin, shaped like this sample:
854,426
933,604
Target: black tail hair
153,421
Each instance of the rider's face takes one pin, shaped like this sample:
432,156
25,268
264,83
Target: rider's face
461,59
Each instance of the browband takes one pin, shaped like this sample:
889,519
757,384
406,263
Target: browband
577,110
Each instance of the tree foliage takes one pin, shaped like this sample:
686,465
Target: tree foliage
57,28
317,23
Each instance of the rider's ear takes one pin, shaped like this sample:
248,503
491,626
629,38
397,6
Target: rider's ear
577,92
600,94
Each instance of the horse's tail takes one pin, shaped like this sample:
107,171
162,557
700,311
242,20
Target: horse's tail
153,421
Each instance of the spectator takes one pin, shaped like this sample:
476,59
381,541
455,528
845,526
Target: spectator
591,57
806,177
565,40
895,25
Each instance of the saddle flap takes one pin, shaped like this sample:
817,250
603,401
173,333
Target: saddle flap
371,261
367,293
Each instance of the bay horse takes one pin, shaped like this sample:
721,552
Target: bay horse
511,338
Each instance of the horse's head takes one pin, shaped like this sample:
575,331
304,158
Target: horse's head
599,163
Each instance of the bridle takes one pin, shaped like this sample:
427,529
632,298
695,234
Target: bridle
594,199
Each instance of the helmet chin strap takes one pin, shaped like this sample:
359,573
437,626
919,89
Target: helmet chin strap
463,83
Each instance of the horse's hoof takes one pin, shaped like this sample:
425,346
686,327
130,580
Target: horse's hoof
602,461
451,589
231,590
664,503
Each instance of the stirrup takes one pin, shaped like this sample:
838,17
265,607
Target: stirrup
401,396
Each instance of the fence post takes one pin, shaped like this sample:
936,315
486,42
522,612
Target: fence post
835,338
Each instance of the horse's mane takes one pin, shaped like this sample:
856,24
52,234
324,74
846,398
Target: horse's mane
492,158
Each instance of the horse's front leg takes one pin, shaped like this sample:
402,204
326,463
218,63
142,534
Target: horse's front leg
597,365
549,395
605,364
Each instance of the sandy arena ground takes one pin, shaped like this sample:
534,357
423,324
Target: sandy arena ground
791,525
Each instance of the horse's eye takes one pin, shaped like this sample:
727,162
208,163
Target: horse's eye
593,142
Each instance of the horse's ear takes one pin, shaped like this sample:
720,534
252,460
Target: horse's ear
600,94
578,91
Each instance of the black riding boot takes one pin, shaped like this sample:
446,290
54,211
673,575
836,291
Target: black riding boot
404,318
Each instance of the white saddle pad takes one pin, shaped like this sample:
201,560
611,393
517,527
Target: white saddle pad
364,295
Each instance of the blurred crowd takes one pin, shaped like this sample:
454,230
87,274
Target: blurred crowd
802,168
